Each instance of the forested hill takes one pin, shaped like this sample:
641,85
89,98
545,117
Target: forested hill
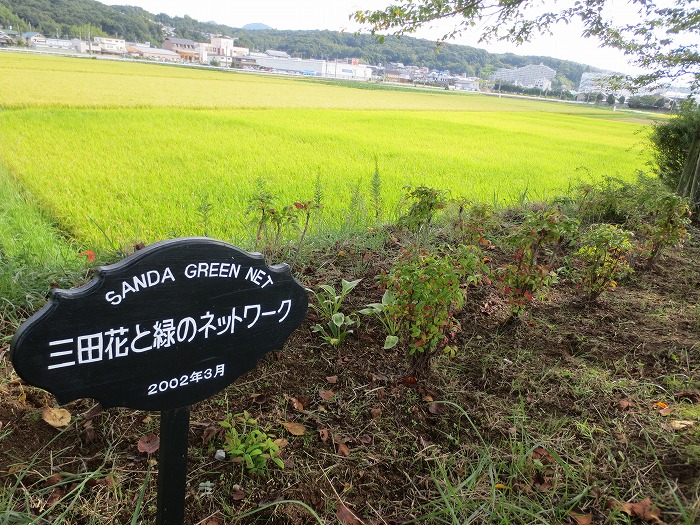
69,18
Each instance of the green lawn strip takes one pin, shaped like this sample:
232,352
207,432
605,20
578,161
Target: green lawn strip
34,254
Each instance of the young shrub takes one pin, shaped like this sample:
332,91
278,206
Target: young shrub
428,288
473,222
605,249
531,272
335,325
259,205
665,225
250,446
425,204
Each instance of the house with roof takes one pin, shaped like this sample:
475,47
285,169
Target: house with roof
152,53
8,36
186,48
33,38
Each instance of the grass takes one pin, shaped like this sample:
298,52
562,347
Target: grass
34,255
151,164
529,429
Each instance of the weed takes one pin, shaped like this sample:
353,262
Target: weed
204,212
376,192
306,209
385,312
336,325
250,446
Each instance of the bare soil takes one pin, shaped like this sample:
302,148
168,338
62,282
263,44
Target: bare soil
583,381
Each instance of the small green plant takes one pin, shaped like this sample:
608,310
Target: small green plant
250,446
428,288
385,312
605,249
531,273
425,204
335,325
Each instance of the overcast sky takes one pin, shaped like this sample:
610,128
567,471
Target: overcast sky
566,43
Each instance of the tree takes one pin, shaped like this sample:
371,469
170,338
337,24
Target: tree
611,99
664,40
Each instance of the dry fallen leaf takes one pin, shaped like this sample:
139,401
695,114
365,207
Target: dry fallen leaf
545,457
148,443
681,424
298,405
643,510
625,404
237,495
332,379
581,519
326,394
296,429
665,411
376,413
343,449
56,417
323,434
281,442
346,516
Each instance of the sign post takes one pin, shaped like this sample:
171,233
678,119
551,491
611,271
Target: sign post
169,326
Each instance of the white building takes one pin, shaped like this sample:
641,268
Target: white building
467,84
314,67
348,71
116,46
528,76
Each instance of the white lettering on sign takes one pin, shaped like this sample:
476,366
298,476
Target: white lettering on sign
212,269
256,275
139,282
116,343
187,379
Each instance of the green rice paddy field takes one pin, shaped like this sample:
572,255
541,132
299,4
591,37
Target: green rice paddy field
133,149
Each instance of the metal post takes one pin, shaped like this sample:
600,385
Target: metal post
172,466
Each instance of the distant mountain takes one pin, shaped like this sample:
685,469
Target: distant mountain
75,17
255,27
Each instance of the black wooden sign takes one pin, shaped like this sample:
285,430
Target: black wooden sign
166,327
